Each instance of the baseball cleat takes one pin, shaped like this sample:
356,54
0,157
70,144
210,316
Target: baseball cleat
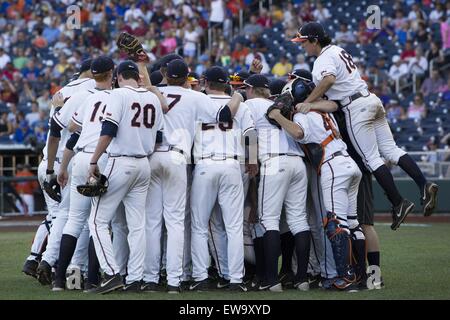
89,287
302,286
429,198
58,285
314,281
44,273
222,283
29,268
400,212
110,283
287,279
204,285
277,287
151,287
254,284
239,287
133,287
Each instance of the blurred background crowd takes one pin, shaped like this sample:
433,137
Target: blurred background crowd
405,61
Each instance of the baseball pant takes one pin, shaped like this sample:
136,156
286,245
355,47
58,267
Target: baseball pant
219,180
288,187
119,239
129,179
370,133
166,203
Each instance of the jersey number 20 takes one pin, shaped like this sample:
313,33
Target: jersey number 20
147,121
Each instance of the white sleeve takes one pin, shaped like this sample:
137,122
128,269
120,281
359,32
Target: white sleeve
208,110
247,119
114,109
325,67
64,115
302,121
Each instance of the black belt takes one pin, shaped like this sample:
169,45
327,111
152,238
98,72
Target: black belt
273,155
128,156
336,154
172,148
85,151
220,158
354,97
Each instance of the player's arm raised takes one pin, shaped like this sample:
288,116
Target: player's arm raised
291,128
63,174
147,84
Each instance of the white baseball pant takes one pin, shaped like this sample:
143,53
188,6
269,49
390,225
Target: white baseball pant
370,133
219,180
129,178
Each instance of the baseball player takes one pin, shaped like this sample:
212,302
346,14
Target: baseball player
39,242
218,177
87,119
339,176
283,181
166,199
57,139
132,117
337,77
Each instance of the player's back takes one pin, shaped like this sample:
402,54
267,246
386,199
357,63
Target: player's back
271,140
186,108
336,61
223,138
89,117
76,86
318,128
138,115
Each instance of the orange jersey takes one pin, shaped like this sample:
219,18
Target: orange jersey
25,187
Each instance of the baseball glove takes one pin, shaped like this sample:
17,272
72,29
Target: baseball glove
95,188
283,102
131,45
52,187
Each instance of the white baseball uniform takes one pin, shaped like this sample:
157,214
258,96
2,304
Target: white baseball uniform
77,89
365,117
166,199
339,174
218,148
283,174
88,116
138,115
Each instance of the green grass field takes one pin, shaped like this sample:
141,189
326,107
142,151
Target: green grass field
415,265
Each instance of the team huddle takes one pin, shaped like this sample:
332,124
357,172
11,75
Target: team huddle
156,182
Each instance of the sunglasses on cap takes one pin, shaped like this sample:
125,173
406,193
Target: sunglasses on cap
192,80
292,76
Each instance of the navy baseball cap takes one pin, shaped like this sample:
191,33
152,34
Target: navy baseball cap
216,74
238,78
156,77
177,69
85,65
257,81
276,85
102,64
310,30
127,65
302,74
164,61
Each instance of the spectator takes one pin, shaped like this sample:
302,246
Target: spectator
4,58
190,40
344,36
33,116
418,64
9,71
239,51
403,34
5,127
44,100
306,12
445,90
168,44
408,52
416,16
282,67
445,33
252,27
399,20
25,189
435,54
437,13
377,75
432,146
321,13
255,54
301,64
31,71
22,129
8,91
21,59
432,84
363,35
394,111
158,18
264,19
256,41
386,30
417,109
217,16
133,14
398,69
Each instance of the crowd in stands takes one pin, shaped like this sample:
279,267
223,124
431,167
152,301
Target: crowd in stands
39,52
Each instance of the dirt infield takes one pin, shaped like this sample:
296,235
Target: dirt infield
27,223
